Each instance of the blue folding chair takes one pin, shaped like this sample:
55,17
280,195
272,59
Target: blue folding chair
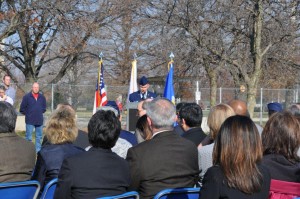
49,189
178,193
21,190
127,195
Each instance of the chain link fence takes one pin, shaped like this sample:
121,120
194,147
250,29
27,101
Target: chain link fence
81,97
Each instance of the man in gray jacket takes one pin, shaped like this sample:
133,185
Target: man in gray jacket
17,154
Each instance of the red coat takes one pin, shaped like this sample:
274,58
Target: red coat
284,190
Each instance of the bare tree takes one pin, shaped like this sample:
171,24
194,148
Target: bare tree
41,33
238,33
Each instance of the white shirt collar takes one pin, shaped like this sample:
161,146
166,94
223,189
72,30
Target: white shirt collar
158,132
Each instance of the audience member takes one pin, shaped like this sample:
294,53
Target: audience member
81,140
217,115
141,111
143,93
61,131
119,103
237,172
178,128
281,141
98,172
294,109
9,90
165,161
141,107
274,107
240,108
4,97
190,119
17,154
143,128
33,106
126,139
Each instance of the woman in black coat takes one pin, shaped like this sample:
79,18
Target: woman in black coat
236,171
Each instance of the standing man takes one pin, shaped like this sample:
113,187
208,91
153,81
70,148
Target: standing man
143,93
9,91
33,106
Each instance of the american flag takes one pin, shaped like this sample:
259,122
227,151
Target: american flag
100,93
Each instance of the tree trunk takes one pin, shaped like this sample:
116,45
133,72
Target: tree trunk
257,54
212,73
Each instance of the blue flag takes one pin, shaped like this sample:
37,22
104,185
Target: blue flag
169,89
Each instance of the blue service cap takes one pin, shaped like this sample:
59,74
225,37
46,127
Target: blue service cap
143,81
275,106
112,106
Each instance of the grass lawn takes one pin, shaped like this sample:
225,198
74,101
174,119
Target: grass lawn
22,134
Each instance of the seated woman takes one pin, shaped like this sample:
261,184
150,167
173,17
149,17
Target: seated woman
237,172
281,141
217,115
143,128
61,131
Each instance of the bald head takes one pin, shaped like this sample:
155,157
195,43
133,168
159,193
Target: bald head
239,107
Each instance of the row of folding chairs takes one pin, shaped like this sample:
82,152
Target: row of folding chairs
27,190
30,190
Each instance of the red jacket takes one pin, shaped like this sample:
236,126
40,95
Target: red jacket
284,190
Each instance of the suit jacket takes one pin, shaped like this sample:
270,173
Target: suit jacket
196,135
215,186
50,159
165,161
95,173
136,96
17,158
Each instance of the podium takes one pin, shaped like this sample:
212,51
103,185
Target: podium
132,116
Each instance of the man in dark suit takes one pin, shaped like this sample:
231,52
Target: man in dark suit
98,172
165,161
17,154
190,117
143,93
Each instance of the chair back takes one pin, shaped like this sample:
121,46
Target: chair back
178,193
127,195
49,189
284,189
21,190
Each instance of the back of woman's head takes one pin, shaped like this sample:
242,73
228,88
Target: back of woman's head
61,126
143,128
217,115
238,150
281,135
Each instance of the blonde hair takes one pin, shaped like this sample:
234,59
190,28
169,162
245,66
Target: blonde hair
217,115
61,126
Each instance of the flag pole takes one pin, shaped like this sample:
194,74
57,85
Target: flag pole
171,57
99,66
